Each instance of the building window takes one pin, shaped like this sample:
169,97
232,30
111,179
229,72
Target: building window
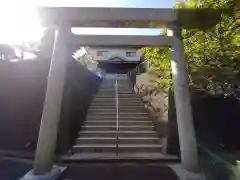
101,53
130,54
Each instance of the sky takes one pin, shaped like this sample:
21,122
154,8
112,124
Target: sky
20,21
93,3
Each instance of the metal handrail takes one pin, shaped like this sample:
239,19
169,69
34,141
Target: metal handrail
116,98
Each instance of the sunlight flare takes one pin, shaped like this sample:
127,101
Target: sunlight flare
19,23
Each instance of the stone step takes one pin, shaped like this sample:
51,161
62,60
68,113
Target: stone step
132,123
119,99
120,123
114,95
135,128
102,101
114,85
124,85
119,107
124,112
128,96
139,140
108,80
112,134
122,115
105,96
135,133
94,148
100,123
99,128
100,110
114,113
115,127
119,111
133,113
114,118
96,117
111,90
140,118
101,118
136,148
137,110
141,156
103,104
85,133
105,90
124,93
96,140
106,84
140,102
125,90
122,103
114,109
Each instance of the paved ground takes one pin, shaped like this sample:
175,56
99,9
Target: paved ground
12,169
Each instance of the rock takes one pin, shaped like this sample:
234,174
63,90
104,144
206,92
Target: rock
146,98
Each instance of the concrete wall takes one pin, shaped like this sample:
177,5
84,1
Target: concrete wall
22,92
113,52
81,85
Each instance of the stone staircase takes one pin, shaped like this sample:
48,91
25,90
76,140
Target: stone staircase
117,126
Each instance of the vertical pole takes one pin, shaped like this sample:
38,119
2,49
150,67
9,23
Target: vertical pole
22,50
52,106
187,137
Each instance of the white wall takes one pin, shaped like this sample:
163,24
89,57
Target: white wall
111,52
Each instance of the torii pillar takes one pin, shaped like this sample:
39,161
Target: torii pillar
186,130
43,162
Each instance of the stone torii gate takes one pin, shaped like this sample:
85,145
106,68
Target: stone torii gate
66,18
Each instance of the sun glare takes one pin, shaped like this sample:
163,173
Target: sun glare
19,24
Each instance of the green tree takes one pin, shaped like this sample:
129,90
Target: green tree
159,61
212,54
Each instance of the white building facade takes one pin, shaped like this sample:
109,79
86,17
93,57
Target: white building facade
108,60
114,54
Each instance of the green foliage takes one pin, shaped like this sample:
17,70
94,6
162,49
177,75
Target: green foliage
159,61
212,54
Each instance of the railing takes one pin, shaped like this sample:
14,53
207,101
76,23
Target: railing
116,97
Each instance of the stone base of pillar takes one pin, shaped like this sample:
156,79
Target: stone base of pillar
186,175
52,175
